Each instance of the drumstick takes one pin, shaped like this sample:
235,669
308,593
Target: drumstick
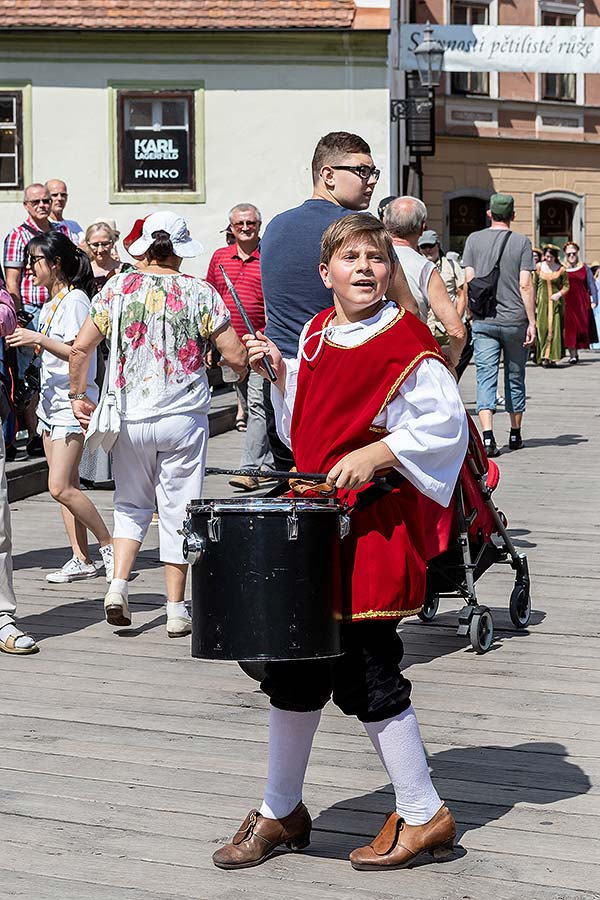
274,475
266,363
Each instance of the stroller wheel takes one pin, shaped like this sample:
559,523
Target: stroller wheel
481,630
520,605
430,608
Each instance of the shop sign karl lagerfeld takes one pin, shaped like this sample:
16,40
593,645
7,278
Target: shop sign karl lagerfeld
507,48
153,160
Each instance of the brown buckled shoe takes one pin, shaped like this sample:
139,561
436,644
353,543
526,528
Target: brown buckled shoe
397,845
258,838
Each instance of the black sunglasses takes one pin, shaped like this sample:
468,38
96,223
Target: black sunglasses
365,173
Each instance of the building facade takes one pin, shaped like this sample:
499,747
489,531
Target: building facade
532,135
219,103
196,106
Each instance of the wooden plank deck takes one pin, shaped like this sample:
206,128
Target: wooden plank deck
125,763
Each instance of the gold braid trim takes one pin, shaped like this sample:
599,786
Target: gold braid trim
386,613
394,388
399,315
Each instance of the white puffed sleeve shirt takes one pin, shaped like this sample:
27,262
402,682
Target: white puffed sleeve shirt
426,419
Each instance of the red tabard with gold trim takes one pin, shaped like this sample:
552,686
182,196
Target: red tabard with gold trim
338,396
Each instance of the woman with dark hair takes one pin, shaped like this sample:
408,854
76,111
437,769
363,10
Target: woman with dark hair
550,283
580,299
65,271
164,322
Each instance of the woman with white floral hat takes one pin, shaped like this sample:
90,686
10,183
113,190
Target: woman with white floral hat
166,321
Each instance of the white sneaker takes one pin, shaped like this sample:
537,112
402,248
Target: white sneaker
73,570
116,609
178,625
108,559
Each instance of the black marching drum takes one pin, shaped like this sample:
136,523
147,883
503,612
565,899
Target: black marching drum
266,577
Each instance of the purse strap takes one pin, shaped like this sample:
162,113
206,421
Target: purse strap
108,386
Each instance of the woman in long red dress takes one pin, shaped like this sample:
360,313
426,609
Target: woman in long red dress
578,301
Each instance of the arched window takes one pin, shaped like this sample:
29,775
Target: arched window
559,218
466,214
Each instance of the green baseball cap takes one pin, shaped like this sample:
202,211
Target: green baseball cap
502,205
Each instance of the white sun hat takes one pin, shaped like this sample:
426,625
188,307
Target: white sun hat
183,245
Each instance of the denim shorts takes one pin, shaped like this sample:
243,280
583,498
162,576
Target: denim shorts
57,432
489,341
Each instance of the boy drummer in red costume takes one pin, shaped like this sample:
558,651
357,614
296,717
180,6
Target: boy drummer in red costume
369,392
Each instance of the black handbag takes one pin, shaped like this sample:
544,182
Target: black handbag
482,291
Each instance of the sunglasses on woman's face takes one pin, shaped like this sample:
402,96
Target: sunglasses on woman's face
97,244
34,259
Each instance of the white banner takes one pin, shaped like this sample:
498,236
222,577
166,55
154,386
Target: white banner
507,48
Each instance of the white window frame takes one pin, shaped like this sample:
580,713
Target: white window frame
152,196
562,8
9,194
492,20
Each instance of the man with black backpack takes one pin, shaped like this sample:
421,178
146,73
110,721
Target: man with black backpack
498,264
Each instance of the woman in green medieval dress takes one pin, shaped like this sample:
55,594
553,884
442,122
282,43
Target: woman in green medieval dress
551,283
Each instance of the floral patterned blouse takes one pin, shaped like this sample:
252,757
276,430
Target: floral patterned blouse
165,323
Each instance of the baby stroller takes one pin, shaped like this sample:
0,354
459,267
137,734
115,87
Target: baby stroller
477,538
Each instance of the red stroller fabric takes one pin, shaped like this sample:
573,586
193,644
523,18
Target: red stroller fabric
442,524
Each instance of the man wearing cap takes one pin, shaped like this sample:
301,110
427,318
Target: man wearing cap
406,218
511,330
241,261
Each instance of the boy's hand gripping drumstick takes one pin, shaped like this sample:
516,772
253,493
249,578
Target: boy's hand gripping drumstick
268,367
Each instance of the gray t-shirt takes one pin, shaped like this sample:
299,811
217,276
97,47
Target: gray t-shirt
481,253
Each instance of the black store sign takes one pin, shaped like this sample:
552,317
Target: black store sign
156,159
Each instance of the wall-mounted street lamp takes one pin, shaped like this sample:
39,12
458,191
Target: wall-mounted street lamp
430,56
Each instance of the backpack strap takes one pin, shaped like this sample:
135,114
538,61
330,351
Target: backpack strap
502,248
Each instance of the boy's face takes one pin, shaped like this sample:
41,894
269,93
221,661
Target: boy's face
358,273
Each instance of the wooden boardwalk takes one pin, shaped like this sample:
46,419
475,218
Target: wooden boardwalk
125,763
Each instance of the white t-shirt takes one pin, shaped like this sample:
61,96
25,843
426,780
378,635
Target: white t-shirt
417,269
54,407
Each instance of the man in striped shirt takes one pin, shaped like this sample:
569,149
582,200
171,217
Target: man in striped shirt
20,284
241,261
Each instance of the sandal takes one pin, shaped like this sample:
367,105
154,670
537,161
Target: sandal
240,425
10,645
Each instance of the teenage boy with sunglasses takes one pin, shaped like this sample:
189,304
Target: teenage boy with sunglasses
28,298
344,178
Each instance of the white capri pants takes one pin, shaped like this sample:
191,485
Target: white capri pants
163,457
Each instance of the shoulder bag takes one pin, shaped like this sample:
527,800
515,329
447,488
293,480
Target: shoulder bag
482,291
105,423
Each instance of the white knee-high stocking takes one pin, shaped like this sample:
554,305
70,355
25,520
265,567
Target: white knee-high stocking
400,748
290,741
